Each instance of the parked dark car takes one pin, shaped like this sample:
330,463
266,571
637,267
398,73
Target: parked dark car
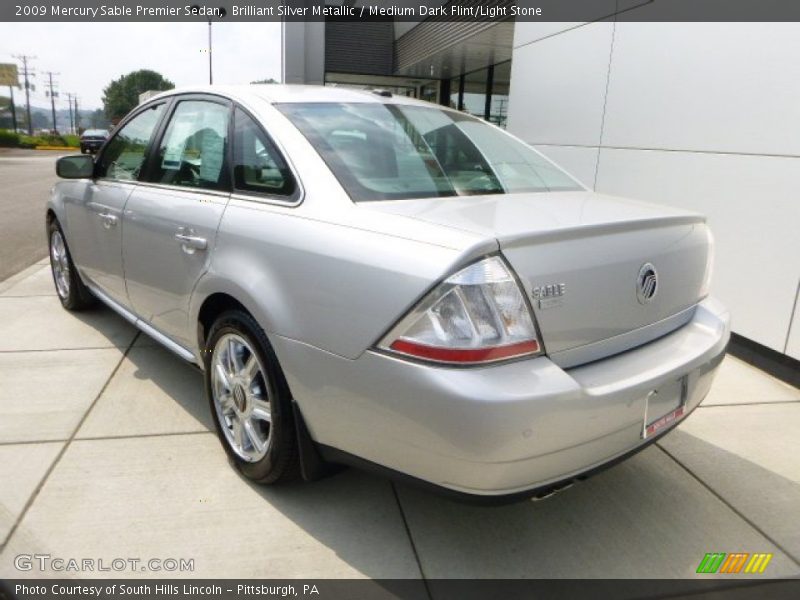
92,139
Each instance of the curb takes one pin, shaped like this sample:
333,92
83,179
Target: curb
56,148
14,279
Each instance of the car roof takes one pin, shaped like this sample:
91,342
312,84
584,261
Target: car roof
289,93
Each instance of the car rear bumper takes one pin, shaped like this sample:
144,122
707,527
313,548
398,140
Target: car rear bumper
502,429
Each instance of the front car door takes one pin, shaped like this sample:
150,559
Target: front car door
171,219
95,217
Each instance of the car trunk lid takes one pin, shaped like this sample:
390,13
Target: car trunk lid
594,266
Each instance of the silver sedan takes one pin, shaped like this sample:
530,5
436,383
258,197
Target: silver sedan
376,280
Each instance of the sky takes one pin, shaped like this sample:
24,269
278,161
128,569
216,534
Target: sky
89,56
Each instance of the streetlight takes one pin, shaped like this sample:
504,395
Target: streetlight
220,12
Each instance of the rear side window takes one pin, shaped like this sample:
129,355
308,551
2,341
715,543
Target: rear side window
257,165
192,151
124,156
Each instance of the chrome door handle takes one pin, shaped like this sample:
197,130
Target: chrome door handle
190,243
108,220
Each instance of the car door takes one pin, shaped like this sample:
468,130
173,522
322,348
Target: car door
94,216
171,219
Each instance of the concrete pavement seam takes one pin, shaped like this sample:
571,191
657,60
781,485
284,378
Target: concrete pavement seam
106,437
763,403
23,442
135,436
65,349
411,540
735,510
27,295
63,450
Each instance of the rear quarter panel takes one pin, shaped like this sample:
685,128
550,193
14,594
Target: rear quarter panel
326,272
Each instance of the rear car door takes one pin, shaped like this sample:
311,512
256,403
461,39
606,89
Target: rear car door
95,218
171,219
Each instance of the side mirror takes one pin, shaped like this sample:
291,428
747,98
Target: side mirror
78,166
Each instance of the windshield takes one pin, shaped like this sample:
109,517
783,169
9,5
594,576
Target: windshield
392,152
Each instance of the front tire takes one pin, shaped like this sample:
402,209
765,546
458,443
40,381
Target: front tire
71,291
250,400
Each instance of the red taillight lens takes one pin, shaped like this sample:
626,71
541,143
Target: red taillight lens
478,315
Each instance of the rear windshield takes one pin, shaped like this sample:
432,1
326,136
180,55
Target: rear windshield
392,152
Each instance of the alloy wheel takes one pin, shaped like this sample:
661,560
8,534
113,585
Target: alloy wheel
241,397
59,262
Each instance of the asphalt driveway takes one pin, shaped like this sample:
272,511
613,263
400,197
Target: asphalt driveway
106,452
26,176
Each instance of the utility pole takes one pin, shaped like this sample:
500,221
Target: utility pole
221,12
53,95
71,121
13,108
27,72
77,116
210,73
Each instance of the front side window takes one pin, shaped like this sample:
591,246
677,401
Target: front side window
257,165
124,156
393,151
192,151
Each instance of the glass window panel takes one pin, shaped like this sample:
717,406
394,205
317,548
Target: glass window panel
257,164
192,151
498,110
124,156
386,152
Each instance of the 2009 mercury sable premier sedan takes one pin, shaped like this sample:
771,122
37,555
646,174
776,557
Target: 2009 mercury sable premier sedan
378,280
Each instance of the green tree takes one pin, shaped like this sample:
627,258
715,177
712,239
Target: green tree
122,95
98,119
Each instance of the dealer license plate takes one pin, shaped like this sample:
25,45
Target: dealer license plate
664,406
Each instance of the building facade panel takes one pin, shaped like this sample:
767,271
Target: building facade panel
558,86
719,87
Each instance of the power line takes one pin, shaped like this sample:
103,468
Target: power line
27,72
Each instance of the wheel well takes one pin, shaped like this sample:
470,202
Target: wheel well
213,306
51,216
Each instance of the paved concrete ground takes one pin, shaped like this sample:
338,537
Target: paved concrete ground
27,177
105,452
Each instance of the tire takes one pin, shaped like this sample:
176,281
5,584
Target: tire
72,292
250,394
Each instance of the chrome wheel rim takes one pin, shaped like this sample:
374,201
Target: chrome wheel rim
242,397
59,262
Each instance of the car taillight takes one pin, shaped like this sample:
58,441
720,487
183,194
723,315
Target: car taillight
478,315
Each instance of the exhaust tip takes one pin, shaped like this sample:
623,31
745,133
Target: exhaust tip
552,491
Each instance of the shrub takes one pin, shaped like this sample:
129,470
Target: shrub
9,138
29,141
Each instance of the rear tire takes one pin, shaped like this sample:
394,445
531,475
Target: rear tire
250,400
72,292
